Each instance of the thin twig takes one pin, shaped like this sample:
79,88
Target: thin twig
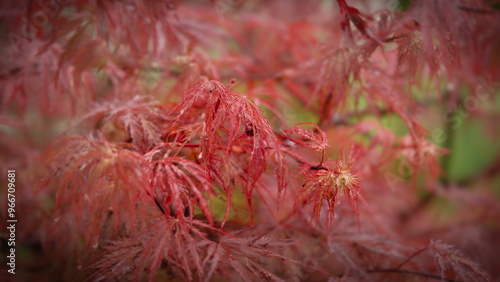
428,275
409,258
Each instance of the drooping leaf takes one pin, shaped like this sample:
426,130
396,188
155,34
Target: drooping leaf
178,183
93,178
308,138
448,258
331,182
230,119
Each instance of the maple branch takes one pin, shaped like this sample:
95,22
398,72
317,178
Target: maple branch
302,160
410,257
187,145
423,274
296,157
159,205
396,37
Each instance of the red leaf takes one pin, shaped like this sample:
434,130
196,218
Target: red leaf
308,138
230,119
448,258
331,182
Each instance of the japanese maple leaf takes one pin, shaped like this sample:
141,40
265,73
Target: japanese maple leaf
307,137
231,120
332,182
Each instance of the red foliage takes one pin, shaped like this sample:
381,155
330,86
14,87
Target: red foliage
230,123
177,183
308,138
331,181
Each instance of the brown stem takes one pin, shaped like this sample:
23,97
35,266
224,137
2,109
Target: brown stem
297,157
423,274
322,158
409,258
